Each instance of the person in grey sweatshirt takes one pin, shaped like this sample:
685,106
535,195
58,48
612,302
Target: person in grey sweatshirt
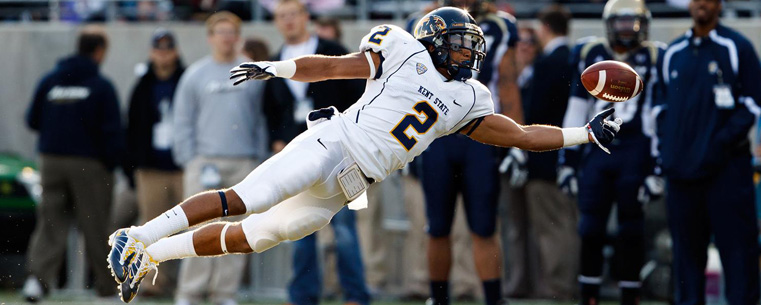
219,137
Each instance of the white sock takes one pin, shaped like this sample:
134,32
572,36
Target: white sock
173,247
166,224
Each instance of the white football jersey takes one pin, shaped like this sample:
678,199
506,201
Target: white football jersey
407,105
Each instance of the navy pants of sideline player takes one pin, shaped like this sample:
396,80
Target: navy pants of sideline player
605,179
722,205
454,164
306,285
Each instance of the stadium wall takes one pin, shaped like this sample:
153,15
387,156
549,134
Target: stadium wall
30,50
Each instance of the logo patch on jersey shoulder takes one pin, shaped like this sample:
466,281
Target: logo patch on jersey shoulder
421,68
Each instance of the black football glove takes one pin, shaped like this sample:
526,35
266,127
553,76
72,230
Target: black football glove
259,70
602,130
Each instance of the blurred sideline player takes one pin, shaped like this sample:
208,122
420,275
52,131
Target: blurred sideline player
627,175
455,165
418,89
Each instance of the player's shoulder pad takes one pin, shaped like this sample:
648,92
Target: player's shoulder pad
586,39
482,93
657,44
507,16
393,44
384,37
655,48
503,20
587,45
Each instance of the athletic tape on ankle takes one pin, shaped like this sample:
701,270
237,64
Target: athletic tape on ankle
222,238
225,211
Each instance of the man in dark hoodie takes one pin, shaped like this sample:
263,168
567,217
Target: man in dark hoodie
76,112
150,165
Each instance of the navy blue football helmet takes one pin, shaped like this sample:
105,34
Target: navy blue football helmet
450,29
627,22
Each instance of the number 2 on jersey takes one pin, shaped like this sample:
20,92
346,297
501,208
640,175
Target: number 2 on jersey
377,40
411,120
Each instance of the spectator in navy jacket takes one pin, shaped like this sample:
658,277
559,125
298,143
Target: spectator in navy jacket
76,112
157,178
707,104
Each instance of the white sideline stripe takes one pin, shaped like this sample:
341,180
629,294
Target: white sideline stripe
600,83
636,87
590,279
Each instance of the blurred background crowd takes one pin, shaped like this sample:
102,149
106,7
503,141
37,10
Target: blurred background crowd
198,10
160,121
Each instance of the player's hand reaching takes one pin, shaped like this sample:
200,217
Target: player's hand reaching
602,130
258,70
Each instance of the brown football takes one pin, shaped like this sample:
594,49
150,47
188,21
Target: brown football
611,81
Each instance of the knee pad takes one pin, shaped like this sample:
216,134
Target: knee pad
260,233
264,231
304,221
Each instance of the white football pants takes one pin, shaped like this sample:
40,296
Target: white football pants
296,192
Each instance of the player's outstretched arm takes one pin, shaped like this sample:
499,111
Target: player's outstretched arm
310,68
499,130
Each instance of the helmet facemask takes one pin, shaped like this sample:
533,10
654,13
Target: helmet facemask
459,41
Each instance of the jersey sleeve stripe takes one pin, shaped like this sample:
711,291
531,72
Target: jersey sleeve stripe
478,122
380,67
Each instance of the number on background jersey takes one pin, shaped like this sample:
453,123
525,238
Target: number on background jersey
411,120
374,37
